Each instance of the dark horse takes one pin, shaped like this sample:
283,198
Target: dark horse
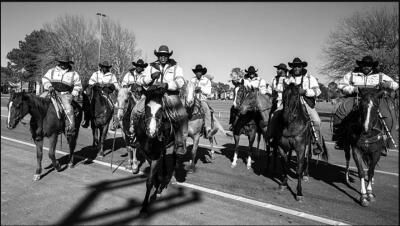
294,134
44,123
101,111
249,119
156,138
365,136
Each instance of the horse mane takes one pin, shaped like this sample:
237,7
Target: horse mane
36,102
291,104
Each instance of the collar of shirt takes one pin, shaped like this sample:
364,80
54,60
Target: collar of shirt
60,70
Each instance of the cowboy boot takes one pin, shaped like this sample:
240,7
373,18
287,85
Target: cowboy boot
71,126
318,141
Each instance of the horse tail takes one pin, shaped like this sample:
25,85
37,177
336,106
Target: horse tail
219,126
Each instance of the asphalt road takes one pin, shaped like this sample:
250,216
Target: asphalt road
92,193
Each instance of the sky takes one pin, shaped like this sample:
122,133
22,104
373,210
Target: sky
218,35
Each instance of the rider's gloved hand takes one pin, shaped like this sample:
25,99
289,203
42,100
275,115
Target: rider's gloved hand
75,93
302,91
51,89
155,75
164,85
386,84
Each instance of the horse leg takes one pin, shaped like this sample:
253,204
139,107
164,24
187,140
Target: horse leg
72,144
361,174
130,157
347,156
371,169
103,134
252,137
300,161
212,151
307,163
196,140
39,155
95,134
234,161
284,162
52,149
149,187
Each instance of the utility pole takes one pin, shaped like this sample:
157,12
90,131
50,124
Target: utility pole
100,23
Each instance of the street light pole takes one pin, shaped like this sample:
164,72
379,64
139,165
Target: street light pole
100,23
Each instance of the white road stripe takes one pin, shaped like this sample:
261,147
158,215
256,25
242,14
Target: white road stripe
219,193
377,171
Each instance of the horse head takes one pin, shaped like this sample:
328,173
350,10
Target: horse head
124,102
249,101
368,107
18,108
154,110
190,94
239,93
291,101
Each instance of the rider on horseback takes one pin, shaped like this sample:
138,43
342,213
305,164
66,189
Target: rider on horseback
134,74
365,75
203,87
66,81
309,91
109,82
237,75
277,85
251,80
170,76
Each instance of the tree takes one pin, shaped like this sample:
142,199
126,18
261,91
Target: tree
73,35
118,46
26,59
375,33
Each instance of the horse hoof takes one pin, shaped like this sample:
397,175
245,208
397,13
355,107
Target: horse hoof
36,177
282,187
233,165
128,167
71,165
190,171
364,201
248,167
143,213
213,156
371,197
299,198
306,178
135,170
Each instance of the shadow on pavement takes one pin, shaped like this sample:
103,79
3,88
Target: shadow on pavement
164,204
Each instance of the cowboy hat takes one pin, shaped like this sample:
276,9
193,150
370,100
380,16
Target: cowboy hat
367,61
251,70
200,68
140,63
65,59
163,50
105,64
282,66
297,61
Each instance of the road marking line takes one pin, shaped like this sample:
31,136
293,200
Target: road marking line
219,193
264,205
377,171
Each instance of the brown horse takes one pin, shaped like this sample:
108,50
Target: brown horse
365,137
196,122
293,133
44,123
101,111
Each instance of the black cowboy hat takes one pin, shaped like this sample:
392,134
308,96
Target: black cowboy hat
163,50
251,70
140,63
297,61
282,66
200,68
105,64
65,59
367,61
